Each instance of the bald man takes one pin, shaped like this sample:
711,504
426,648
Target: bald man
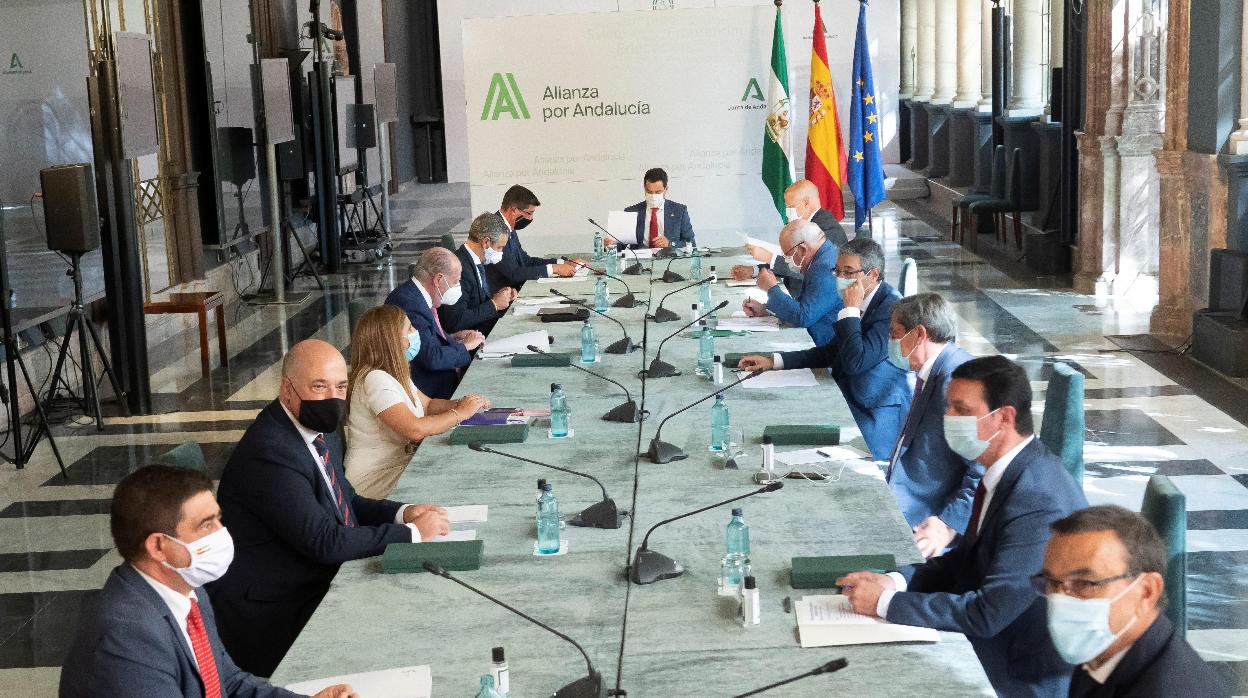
801,201
293,515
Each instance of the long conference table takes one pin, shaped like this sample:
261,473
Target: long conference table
676,637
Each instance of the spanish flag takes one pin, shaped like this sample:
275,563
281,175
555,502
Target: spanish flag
825,151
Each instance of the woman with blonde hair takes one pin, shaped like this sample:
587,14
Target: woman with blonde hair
386,415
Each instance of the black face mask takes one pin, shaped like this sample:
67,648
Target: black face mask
324,415
522,222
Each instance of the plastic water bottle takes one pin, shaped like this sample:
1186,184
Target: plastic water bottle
487,688
599,250
600,295
706,351
719,425
736,563
558,412
695,267
589,344
704,300
613,263
547,523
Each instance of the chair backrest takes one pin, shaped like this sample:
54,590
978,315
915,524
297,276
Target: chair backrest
1165,507
996,187
1061,427
356,309
1014,179
448,241
908,283
185,455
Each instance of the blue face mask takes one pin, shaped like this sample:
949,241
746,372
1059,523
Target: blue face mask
895,357
962,435
1080,627
842,284
413,346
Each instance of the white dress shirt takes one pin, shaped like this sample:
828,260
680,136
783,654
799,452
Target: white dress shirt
550,268
1102,674
992,477
179,605
309,437
476,266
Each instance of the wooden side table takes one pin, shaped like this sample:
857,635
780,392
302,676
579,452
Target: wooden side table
199,303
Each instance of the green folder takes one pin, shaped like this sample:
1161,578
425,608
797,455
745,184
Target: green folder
455,555
540,360
803,434
822,572
490,434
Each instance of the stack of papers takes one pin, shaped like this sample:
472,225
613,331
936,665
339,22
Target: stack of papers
753,324
792,378
515,344
823,454
769,246
829,620
403,682
733,283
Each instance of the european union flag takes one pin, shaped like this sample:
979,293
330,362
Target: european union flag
866,167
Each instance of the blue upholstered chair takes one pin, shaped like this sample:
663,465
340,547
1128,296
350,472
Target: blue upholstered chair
1165,507
356,309
185,455
448,241
1061,427
908,282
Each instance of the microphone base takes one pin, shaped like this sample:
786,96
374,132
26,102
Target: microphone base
671,277
622,346
585,687
634,270
604,514
627,300
650,567
662,452
665,252
664,315
627,413
661,369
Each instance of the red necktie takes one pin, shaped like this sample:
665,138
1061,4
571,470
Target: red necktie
981,493
654,225
203,652
918,390
323,450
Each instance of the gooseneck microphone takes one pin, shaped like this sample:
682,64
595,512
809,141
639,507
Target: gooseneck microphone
590,686
834,665
604,514
620,346
670,276
662,369
662,314
628,300
663,452
649,567
627,412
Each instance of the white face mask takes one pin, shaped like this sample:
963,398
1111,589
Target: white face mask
452,295
654,200
962,435
1080,627
791,214
492,256
210,557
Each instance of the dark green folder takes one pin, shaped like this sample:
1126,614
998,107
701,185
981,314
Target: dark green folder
490,434
541,360
822,572
803,434
455,555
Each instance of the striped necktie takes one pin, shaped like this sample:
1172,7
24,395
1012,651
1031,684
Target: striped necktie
323,450
203,652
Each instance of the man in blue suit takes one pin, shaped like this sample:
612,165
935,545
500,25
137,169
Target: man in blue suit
517,266
982,588
816,307
801,201
878,392
934,486
151,631
444,354
661,222
1127,647
479,306
293,514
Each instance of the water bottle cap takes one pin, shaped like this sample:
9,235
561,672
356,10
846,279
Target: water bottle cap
766,440
719,359
750,582
545,486
541,482
497,653
555,386
738,511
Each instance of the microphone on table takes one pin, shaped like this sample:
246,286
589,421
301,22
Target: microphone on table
590,686
662,314
620,346
670,276
649,567
661,451
636,268
662,369
834,665
627,412
604,514
628,300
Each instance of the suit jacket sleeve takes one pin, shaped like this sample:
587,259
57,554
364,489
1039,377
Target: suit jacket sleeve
517,265
684,236
462,316
861,345
236,683
957,511
816,357
1004,593
784,270
817,300
434,354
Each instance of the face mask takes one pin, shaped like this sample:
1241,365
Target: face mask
842,284
210,557
962,435
522,223
1080,627
492,256
324,415
790,214
413,346
895,356
452,295
654,200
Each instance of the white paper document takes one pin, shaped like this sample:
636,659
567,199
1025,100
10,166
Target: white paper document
581,273
745,283
468,513
539,301
823,454
753,324
622,225
792,378
525,310
470,534
826,621
515,344
769,246
404,682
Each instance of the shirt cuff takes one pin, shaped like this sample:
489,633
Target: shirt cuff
754,272
777,362
898,581
550,270
886,596
398,519
851,311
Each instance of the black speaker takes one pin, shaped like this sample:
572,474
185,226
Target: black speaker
290,160
235,155
1228,280
69,209
363,125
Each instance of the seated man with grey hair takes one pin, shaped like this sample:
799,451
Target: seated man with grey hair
934,486
442,357
815,307
479,307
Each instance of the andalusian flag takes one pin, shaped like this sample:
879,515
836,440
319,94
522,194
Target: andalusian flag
777,141
866,167
825,151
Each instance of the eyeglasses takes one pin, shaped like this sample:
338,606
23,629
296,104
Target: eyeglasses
846,272
1044,585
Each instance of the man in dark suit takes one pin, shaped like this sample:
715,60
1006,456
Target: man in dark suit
443,356
801,200
294,516
878,392
1128,647
982,588
517,211
151,631
480,306
934,486
661,222
816,307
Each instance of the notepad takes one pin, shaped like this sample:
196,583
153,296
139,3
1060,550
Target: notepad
827,621
515,344
402,682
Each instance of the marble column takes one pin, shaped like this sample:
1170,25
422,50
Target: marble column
1239,139
1089,252
1027,97
925,71
946,47
985,56
909,50
1176,288
969,52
